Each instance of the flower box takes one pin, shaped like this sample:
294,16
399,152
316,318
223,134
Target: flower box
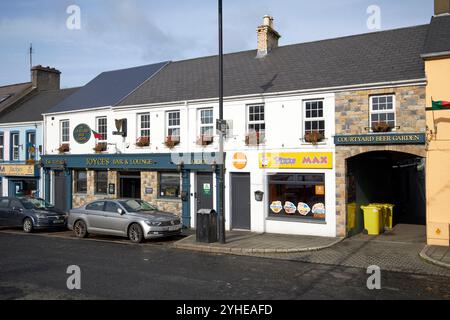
205,140
64,148
381,127
172,141
143,142
100,147
314,137
254,138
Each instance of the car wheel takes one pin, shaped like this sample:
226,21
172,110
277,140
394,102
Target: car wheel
135,233
80,229
28,225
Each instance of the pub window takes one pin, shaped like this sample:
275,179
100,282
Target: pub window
173,124
64,134
206,122
169,185
382,111
256,119
144,125
15,146
102,128
101,182
2,146
297,196
314,118
81,181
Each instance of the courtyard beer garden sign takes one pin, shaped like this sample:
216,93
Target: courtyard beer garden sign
82,133
380,139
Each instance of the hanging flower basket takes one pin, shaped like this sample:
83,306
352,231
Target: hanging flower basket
100,147
314,137
30,162
143,142
64,148
381,127
172,141
205,140
254,138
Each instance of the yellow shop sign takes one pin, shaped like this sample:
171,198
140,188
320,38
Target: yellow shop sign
16,170
296,160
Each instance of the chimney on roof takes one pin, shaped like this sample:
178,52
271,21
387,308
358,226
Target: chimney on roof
267,37
441,7
45,78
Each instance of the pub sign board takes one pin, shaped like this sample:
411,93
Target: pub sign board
380,139
82,133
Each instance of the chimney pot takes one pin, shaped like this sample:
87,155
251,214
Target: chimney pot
441,7
45,78
267,37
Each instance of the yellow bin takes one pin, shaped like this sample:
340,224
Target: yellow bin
387,214
351,216
373,219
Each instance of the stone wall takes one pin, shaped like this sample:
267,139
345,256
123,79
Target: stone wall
149,179
352,118
79,199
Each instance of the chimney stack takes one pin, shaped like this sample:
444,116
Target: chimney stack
267,37
45,78
441,7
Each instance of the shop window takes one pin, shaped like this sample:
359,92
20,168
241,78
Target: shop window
314,119
80,181
144,125
64,131
101,182
2,146
169,185
102,128
15,146
300,196
173,124
382,112
206,122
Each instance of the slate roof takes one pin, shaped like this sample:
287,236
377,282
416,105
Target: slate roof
11,93
361,59
32,108
438,38
108,89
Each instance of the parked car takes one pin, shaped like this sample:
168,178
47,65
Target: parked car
30,214
134,219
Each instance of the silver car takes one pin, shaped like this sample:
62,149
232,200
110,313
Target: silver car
135,219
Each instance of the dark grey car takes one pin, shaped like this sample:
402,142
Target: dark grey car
30,214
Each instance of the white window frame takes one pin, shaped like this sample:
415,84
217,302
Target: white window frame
97,128
15,146
202,125
140,129
173,127
61,129
385,111
256,122
322,118
2,148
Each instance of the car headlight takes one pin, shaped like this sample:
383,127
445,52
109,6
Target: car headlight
41,216
153,223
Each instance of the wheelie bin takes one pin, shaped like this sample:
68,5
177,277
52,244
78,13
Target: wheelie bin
373,220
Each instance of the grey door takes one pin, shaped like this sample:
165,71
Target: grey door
240,201
205,191
61,191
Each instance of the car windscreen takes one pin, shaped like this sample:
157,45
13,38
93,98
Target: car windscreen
137,206
34,203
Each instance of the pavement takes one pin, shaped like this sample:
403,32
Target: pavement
437,255
35,267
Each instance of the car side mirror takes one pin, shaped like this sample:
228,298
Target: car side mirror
120,211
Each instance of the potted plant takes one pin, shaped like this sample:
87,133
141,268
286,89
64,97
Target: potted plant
205,140
65,147
254,138
100,147
381,127
143,142
314,137
172,141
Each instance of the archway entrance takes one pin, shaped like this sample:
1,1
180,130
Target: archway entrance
387,177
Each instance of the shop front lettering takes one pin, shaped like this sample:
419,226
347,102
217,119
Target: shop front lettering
98,162
280,160
104,162
380,139
55,162
315,160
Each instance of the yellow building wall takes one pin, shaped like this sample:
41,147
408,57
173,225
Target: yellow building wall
438,155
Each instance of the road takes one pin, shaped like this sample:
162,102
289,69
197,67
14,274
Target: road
34,267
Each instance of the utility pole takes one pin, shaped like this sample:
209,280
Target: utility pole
31,56
221,179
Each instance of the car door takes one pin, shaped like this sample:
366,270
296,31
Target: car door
4,211
16,213
115,223
95,216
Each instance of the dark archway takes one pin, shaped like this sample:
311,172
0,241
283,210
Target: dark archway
387,177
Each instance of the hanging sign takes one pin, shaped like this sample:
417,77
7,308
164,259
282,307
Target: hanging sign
296,160
82,133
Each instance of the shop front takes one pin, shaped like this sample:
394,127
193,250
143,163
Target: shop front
162,179
283,192
20,180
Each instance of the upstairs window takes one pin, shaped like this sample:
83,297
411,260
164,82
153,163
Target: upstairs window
173,124
64,133
314,120
206,122
102,128
382,113
144,125
15,146
256,119
31,145
2,146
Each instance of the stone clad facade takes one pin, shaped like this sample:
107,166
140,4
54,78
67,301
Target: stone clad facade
149,179
352,118
80,199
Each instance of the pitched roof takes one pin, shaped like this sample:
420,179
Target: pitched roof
32,108
438,38
361,59
108,89
11,93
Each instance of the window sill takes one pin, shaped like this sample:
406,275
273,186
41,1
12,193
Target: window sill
296,220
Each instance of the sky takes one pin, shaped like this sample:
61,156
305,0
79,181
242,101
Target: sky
117,34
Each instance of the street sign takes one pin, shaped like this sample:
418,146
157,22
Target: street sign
221,126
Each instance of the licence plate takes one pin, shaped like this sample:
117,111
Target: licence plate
174,228
58,221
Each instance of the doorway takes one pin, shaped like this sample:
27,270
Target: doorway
130,185
205,191
240,201
61,191
387,177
